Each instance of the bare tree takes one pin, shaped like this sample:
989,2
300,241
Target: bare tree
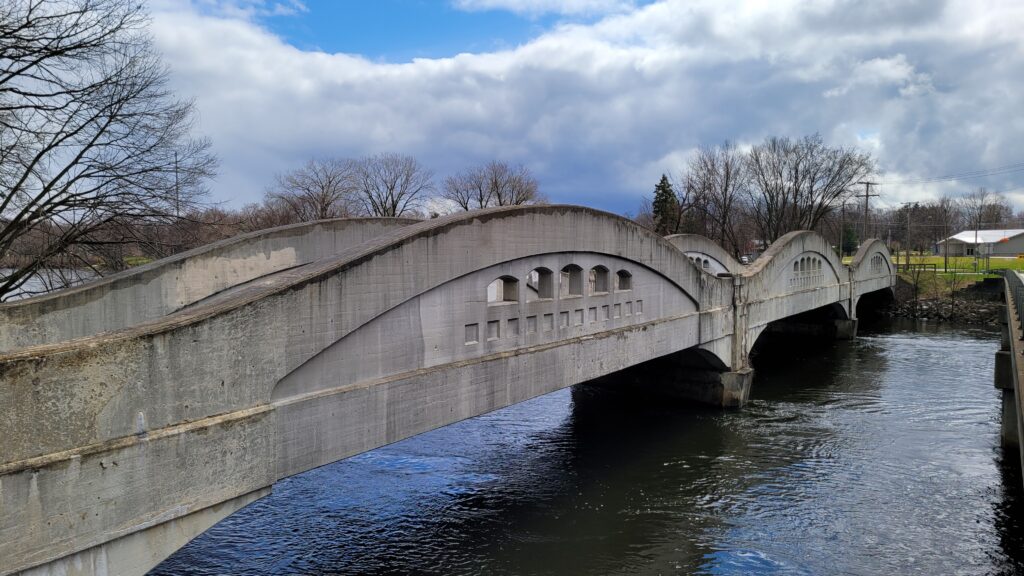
468,190
717,178
982,208
645,215
270,213
946,217
92,141
512,185
796,183
955,282
391,185
320,189
492,184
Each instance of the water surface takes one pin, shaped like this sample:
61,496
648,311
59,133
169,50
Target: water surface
878,456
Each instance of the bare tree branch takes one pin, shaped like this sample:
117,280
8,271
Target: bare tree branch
93,144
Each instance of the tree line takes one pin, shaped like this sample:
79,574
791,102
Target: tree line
748,199
385,185
745,200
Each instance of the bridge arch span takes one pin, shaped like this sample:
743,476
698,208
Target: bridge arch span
798,273
873,273
696,247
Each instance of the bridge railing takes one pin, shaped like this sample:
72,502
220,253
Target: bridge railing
1015,291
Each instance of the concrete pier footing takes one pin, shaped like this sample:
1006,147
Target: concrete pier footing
722,389
680,378
846,329
837,329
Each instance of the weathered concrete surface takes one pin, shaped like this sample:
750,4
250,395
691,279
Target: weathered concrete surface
697,247
140,551
161,287
126,430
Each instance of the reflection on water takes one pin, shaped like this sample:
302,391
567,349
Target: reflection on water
877,456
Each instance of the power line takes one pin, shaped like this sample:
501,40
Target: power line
967,175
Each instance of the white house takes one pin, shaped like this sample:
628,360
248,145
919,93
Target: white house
983,243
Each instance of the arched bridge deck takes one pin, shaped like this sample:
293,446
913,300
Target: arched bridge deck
122,445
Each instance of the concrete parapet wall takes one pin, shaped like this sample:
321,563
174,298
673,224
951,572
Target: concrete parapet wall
156,289
695,244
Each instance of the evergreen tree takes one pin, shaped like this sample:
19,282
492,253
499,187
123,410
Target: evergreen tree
850,240
665,208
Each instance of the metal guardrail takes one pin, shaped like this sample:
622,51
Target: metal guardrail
933,268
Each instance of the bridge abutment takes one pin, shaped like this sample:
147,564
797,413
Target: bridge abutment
1003,380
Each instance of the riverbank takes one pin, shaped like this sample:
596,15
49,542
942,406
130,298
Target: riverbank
965,312
976,305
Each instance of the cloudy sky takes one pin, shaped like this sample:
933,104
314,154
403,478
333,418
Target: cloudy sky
599,97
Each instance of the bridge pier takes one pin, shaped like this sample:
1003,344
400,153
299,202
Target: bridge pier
683,377
845,329
729,389
819,324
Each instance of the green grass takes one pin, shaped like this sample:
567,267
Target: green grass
967,262
959,263
960,275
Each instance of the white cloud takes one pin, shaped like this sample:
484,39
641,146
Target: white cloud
598,111
882,72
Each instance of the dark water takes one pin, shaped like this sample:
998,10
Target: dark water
879,456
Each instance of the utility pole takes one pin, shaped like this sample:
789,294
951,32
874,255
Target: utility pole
842,230
867,195
177,194
910,208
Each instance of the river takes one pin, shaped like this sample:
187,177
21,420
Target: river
877,456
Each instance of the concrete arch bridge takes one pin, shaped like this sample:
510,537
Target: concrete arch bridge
141,410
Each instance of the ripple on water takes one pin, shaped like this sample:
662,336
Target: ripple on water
877,457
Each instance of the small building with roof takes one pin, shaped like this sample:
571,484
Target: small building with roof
1006,243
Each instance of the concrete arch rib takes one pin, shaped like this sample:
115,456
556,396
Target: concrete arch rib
767,286
426,330
778,259
159,288
703,245
871,246
871,270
